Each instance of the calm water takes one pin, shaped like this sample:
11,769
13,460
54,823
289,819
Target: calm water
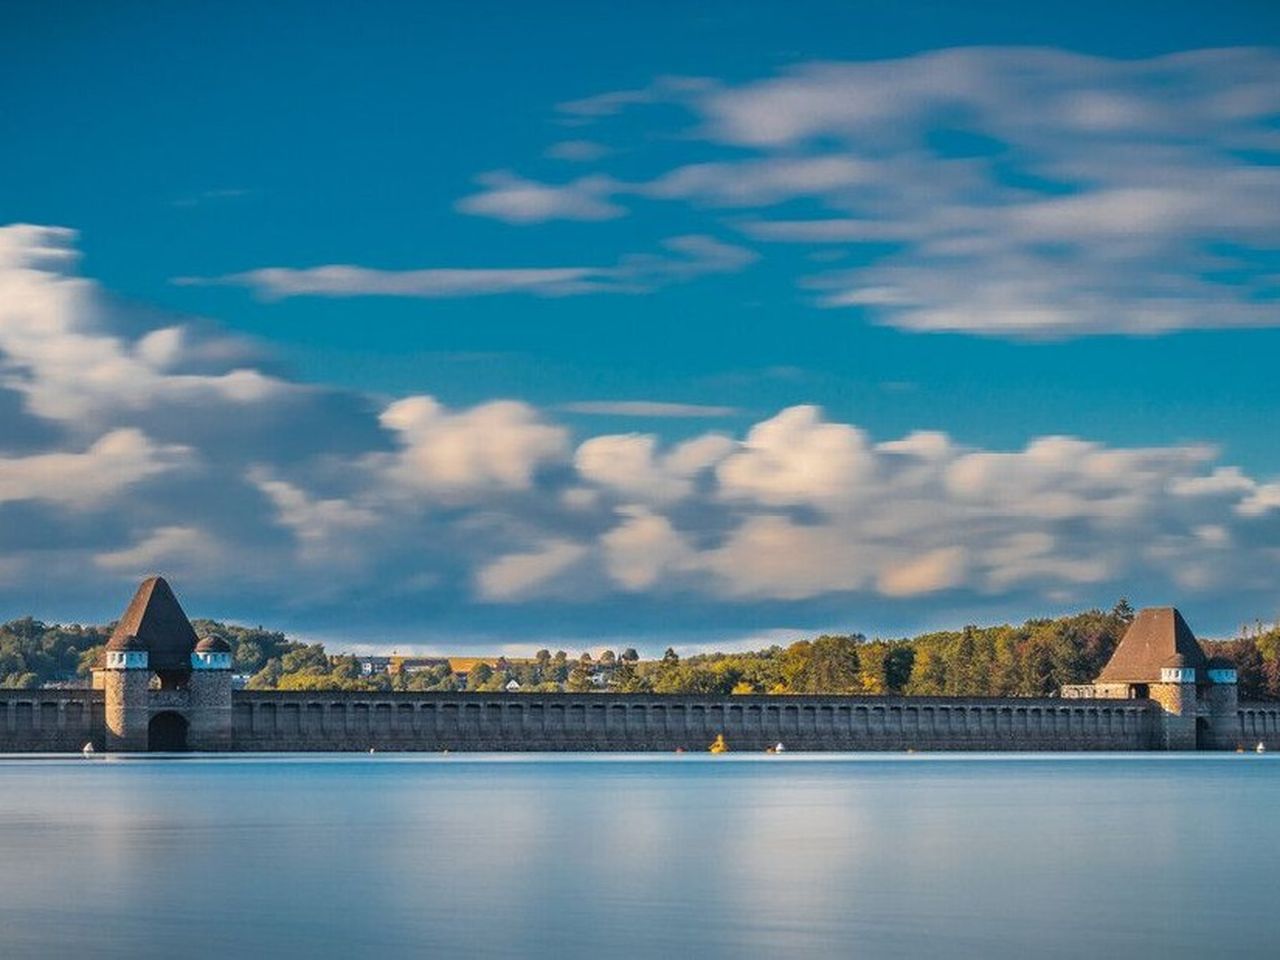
672,857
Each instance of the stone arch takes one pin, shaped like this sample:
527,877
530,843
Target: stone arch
167,732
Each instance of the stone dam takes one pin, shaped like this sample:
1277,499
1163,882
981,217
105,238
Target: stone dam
161,689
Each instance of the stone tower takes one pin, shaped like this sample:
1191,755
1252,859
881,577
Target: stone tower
163,689
125,684
1160,658
210,695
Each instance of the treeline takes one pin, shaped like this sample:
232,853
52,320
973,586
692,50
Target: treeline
1034,659
33,654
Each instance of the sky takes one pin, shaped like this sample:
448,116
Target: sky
463,326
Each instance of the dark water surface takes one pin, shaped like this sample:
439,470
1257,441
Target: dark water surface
613,856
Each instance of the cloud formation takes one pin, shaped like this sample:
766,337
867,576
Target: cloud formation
59,353
681,259
291,498
647,408
513,199
1011,192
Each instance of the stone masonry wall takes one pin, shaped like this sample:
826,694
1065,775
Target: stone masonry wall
50,721
1256,723
64,720
279,720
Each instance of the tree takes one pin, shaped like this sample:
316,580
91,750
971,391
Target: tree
897,666
831,666
479,675
579,679
627,680
928,673
268,676
630,654
559,667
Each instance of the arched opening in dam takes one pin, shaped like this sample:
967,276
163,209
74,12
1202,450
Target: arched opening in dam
167,733
1202,734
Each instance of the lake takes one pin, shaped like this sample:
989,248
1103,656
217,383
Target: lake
552,856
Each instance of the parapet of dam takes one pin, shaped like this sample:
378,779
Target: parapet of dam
160,689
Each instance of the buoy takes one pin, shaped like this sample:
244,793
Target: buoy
1261,747
679,749
718,745
88,750
779,748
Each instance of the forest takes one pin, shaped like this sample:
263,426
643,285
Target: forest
1033,659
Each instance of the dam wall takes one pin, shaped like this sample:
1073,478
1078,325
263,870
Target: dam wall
55,721
280,720
1258,723
50,721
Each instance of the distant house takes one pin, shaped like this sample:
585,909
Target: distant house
409,665
369,666
462,666
512,686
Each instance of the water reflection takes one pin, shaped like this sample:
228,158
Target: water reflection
639,857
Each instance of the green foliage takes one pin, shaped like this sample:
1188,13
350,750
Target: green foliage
1033,659
580,677
33,654
479,675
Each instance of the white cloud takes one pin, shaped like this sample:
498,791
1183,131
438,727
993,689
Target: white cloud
1012,192
914,516
81,480
1264,498
444,508
935,570
56,351
769,557
518,576
682,258
183,550
643,549
753,183
797,458
1062,478
493,446
827,230
513,199
323,527
662,89
345,280
647,408
629,465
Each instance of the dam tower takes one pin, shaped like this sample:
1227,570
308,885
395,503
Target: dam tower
1160,659
163,689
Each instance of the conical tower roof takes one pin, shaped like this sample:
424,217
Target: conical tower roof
156,619
1156,636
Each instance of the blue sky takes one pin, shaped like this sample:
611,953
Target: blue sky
474,324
